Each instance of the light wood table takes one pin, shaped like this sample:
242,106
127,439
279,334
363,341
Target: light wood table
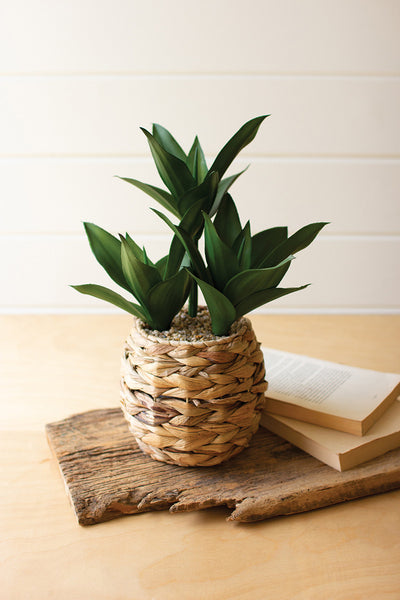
53,366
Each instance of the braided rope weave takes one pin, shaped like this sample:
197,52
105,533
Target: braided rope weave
193,403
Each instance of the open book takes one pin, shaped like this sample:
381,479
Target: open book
335,448
324,393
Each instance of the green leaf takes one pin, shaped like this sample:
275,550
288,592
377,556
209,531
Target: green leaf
168,142
263,242
141,277
241,238
296,242
223,187
103,293
227,221
262,297
172,170
280,271
190,223
146,259
191,162
163,197
189,245
222,311
167,298
137,250
196,161
244,136
221,259
205,192
107,251
161,265
251,281
244,254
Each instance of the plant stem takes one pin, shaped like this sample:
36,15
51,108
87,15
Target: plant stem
193,299
193,295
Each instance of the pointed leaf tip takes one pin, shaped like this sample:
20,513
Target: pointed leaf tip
238,141
168,142
107,251
103,293
172,170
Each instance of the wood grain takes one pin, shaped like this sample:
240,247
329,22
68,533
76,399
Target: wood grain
107,476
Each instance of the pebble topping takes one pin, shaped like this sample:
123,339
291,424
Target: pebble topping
190,329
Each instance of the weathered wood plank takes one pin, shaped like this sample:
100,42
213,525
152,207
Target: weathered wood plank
107,476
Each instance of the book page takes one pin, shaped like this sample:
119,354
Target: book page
324,386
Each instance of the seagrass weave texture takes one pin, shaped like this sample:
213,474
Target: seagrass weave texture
193,403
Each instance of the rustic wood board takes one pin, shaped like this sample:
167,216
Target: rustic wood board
107,476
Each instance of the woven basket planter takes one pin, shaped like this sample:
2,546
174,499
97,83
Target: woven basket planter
193,403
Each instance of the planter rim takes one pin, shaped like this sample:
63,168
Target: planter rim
239,327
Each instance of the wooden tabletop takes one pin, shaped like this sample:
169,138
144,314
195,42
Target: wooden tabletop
54,366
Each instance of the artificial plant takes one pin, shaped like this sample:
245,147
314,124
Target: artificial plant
240,272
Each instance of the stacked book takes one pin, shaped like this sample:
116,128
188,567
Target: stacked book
342,415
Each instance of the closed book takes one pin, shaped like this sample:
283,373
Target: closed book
329,394
339,450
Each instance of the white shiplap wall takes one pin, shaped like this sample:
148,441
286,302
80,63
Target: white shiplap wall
78,78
